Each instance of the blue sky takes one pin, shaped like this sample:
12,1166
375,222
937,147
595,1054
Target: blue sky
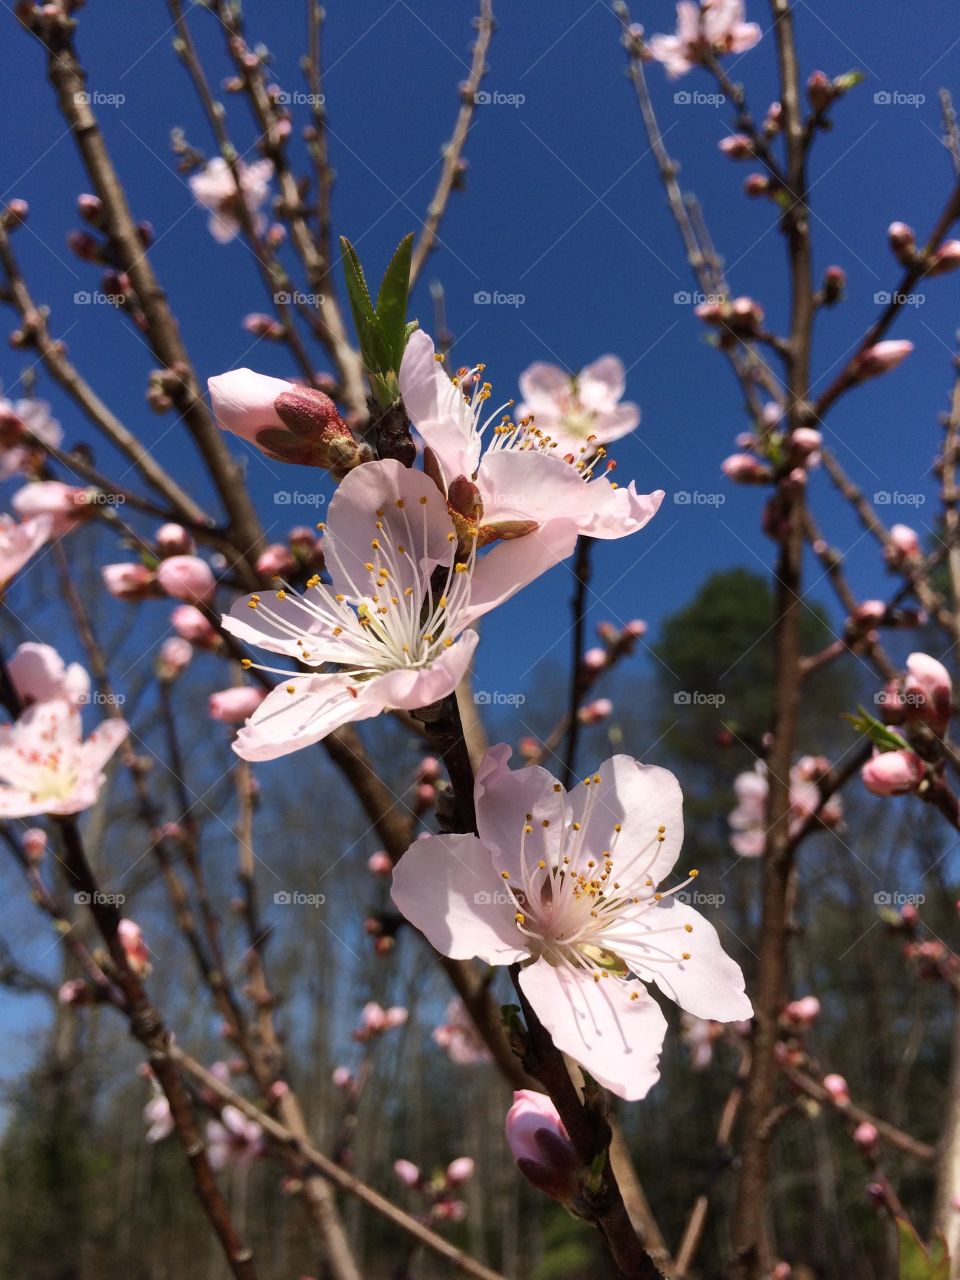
563,206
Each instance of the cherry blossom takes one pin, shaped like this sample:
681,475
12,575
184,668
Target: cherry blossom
573,409
523,480
233,1139
747,820
397,631
458,1036
67,504
215,188
159,1118
39,674
20,542
704,30
537,888
46,767
19,420
541,1146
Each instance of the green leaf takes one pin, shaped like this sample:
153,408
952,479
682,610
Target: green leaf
879,734
917,1261
392,300
848,81
362,307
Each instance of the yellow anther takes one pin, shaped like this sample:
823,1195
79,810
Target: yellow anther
246,663
505,875
685,955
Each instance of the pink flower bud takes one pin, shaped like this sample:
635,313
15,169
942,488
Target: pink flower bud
607,632
372,1017
834,285
866,1137
928,691
175,655
806,441
277,561
782,1271
173,540
594,659
89,207
35,843
745,469
428,770
342,1079
407,1172
395,1016
902,241
233,706
869,613
837,1090
460,1170
189,622
134,947
74,992
893,773
737,146
449,1211
187,578
635,628
128,581
379,864
541,1145
881,358
820,92
756,185
595,712
263,326
904,544
946,258
804,1012
84,245
16,213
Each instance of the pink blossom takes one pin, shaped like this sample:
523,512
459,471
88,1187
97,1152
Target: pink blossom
893,773
573,409
66,504
395,1016
399,641
699,1035
159,1118
407,1172
46,767
747,820
188,621
234,706
35,843
379,864
175,656
129,581
276,561
903,241
903,547
134,946
186,578
39,674
460,1170
341,1078
519,485
285,421
20,542
458,1037
802,1013
713,27
233,1139
522,893
19,421
173,540
541,1146
595,659
837,1089
215,188
737,146
928,691
881,358
597,711
745,469
866,1136
945,258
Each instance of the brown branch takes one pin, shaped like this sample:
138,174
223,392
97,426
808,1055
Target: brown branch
310,1156
453,151
581,572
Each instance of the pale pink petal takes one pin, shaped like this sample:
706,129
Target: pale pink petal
640,799
602,383
615,1037
709,984
509,566
414,515
243,401
545,389
744,36
504,798
448,887
619,511
437,408
617,422
18,542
